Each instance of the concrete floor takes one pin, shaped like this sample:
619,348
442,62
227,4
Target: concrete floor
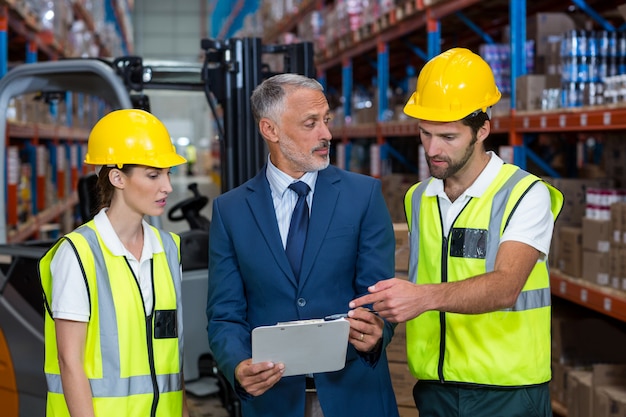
210,406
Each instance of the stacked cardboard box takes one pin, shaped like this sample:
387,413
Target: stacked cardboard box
401,378
574,205
596,245
401,232
394,188
597,392
581,346
617,252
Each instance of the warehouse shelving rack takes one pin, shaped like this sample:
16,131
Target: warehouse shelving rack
61,143
595,297
419,15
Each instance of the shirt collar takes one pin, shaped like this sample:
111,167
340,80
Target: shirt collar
478,187
279,181
151,244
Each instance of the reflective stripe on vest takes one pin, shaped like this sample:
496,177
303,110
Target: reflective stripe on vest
112,384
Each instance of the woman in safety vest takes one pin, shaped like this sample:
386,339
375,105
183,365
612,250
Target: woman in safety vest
112,287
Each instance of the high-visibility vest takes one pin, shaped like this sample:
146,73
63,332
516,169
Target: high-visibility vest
133,362
505,348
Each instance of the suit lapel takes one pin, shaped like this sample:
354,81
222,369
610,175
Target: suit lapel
260,204
324,201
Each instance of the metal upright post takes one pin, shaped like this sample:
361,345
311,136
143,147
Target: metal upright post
4,40
31,52
346,82
383,79
232,70
251,155
517,12
434,35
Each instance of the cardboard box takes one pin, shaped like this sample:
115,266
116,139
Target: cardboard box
542,27
597,235
394,187
579,393
615,268
403,382
578,340
622,223
570,251
622,274
596,267
401,232
558,383
396,349
574,196
617,226
609,374
529,90
609,401
606,396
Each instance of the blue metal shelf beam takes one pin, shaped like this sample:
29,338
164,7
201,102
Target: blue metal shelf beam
111,15
227,16
488,39
517,12
417,51
434,39
388,149
383,80
4,40
31,52
346,83
582,5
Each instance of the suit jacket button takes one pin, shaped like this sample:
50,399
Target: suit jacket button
301,302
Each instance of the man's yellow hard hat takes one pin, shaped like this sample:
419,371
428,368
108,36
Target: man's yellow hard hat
451,86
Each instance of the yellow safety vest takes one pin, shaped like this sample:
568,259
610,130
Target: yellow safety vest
133,361
504,348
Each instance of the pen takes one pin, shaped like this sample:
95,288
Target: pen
344,315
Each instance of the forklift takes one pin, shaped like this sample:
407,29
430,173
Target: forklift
231,69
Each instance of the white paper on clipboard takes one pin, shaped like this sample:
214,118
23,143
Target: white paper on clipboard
306,346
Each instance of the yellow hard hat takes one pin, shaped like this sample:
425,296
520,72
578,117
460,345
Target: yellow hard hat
451,86
131,136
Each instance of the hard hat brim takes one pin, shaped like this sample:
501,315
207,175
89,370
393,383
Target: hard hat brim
411,108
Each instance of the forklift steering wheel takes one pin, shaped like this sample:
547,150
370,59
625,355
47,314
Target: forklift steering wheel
190,209
193,205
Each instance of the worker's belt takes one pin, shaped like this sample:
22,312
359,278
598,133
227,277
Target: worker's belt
310,384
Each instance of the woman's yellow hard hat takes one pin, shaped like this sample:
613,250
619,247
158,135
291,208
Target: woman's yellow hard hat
131,136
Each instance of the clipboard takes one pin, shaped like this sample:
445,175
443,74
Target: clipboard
304,346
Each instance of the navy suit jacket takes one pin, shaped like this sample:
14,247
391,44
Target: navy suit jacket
350,245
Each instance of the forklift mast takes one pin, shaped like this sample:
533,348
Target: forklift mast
232,69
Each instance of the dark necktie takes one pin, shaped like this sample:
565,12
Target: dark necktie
298,227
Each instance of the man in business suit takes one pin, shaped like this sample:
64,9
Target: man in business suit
349,246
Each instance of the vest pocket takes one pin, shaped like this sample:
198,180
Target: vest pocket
165,326
468,243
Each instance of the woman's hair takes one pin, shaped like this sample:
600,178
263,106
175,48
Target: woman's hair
268,98
104,186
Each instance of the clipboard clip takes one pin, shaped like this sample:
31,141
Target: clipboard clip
344,315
